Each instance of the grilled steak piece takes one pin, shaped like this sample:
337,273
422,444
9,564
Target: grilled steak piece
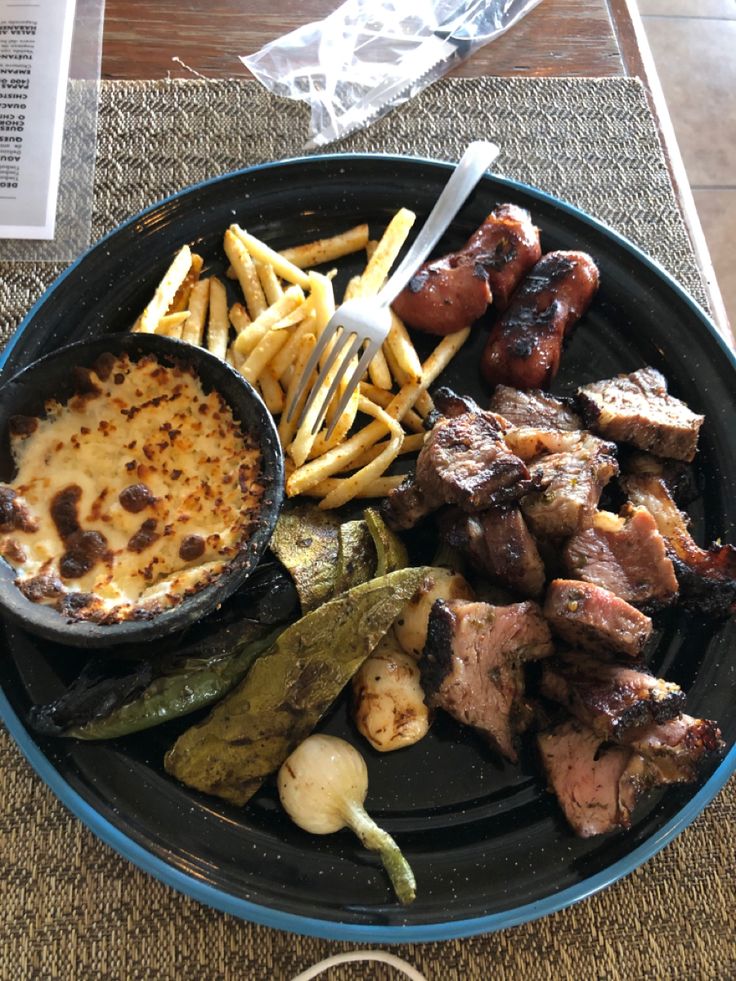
535,408
636,409
453,291
465,461
595,618
473,665
525,345
589,779
707,577
449,403
571,469
405,505
499,546
678,476
608,697
625,554
675,750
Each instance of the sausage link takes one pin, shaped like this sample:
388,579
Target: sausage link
525,345
452,292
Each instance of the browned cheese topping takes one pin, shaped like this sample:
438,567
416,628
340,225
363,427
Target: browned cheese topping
138,491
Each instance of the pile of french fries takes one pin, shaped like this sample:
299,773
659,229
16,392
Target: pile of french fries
269,334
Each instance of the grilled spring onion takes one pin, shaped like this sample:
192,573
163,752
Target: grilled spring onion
323,785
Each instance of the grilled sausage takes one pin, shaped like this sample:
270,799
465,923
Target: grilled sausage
452,292
525,345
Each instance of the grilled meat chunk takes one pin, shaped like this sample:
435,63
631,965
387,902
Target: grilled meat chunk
452,292
525,345
707,577
450,404
625,554
473,665
535,408
595,618
589,779
571,469
636,409
674,751
608,697
499,546
465,461
405,505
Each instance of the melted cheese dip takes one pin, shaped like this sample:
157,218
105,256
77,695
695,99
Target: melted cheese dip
138,491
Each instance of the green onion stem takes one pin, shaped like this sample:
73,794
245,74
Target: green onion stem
378,840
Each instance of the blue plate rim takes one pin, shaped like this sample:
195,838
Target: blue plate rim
333,929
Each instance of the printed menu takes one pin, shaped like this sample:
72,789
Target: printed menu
35,44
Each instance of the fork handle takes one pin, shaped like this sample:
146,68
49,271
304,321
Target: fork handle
476,160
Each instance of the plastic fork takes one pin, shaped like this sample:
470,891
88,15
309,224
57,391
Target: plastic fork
366,321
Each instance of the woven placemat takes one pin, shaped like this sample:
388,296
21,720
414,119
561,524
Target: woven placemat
70,907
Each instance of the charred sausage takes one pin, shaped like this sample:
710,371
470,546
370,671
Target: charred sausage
452,292
525,345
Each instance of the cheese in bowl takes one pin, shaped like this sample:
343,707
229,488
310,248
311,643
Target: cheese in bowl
138,491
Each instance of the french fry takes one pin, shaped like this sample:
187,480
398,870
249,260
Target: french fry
269,345
170,325
350,486
344,424
338,458
261,252
218,325
286,357
244,266
322,300
198,302
165,291
412,444
254,332
273,394
327,249
383,398
238,317
306,344
272,288
404,352
380,487
386,251
181,297
233,358
370,248
424,404
378,371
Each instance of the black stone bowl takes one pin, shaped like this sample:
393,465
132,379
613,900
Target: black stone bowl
53,377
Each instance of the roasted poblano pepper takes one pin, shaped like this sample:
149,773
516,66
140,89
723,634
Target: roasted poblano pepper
390,550
250,733
356,559
306,542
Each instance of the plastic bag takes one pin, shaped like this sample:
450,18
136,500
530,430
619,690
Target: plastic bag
367,57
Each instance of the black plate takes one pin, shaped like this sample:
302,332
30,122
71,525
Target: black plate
53,378
488,844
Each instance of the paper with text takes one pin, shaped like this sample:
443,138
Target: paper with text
35,43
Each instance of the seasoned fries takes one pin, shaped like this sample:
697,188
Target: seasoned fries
269,332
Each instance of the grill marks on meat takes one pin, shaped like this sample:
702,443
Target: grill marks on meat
608,697
636,409
590,781
571,469
465,461
499,546
473,665
452,292
707,577
535,408
595,618
674,751
525,345
625,554
597,783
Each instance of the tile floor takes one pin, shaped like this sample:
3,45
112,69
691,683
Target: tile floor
694,47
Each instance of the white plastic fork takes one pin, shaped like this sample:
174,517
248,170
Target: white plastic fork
367,320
